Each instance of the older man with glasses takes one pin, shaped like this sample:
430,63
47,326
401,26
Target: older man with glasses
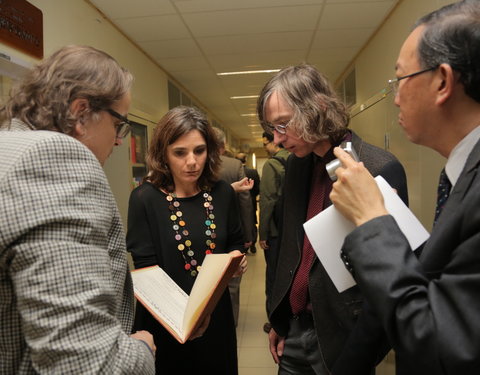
311,320
66,295
428,306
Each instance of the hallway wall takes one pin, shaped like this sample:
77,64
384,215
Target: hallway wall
77,22
375,117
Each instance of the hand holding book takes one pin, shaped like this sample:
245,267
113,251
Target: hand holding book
186,316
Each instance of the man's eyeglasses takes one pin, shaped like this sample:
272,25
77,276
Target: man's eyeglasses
123,127
394,83
280,128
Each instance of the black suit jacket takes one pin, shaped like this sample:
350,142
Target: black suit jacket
334,313
429,307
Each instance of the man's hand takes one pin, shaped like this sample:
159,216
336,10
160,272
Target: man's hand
147,338
277,343
245,184
264,245
355,193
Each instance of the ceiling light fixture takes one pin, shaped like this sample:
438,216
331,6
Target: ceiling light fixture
248,115
245,97
248,72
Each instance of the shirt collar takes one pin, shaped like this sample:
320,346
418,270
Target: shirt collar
459,155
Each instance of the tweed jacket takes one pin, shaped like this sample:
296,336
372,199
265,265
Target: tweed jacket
334,313
66,299
429,307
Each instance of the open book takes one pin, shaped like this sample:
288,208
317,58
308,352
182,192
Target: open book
178,312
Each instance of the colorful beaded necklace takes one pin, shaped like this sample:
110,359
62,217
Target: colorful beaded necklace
181,232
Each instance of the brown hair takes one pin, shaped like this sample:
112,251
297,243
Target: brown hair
42,99
177,122
318,111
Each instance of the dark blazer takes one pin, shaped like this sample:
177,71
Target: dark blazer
255,190
334,313
232,171
429,307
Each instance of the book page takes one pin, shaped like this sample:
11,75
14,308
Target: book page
213,267
161,296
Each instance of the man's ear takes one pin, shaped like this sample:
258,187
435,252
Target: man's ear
445,82
78,108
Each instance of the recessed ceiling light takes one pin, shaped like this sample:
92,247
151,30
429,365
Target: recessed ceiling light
245,97
248,72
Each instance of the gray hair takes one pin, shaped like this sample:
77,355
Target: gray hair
319,113
452,36
42,99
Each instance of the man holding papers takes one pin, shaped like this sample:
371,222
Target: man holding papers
311,319
429,306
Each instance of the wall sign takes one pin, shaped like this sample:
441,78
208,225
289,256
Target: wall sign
21,26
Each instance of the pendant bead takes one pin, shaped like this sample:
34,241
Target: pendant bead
179,227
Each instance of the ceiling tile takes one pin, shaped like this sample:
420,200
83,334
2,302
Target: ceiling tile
253,21
255,43
261,60
151,28
341,38
179,64
189,6
127,8
337,16
165,49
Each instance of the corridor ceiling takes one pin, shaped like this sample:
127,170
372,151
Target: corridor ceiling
193,40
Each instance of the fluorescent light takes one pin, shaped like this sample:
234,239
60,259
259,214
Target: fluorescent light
245,97
248,115
248,72
254,125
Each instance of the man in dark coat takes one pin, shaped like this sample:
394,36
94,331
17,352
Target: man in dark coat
428,306
252,174
311,320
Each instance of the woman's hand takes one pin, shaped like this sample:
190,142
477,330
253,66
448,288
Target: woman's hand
201,328
242,267
147,338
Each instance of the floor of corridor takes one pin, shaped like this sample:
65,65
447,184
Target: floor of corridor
253,355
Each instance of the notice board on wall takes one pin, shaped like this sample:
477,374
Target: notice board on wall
21,26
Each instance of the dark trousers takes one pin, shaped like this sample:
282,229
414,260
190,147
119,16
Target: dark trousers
271,255
302,355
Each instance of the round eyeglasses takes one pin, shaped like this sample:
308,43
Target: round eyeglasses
279,128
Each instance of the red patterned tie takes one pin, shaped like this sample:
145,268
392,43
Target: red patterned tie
320,188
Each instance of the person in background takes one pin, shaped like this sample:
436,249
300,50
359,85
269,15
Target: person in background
231,170
428,306
271,185
252,175
66,303
310,319
179,214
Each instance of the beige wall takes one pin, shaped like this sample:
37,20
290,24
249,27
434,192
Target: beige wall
77,22
378,123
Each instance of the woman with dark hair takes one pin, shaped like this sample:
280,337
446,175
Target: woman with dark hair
178,215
